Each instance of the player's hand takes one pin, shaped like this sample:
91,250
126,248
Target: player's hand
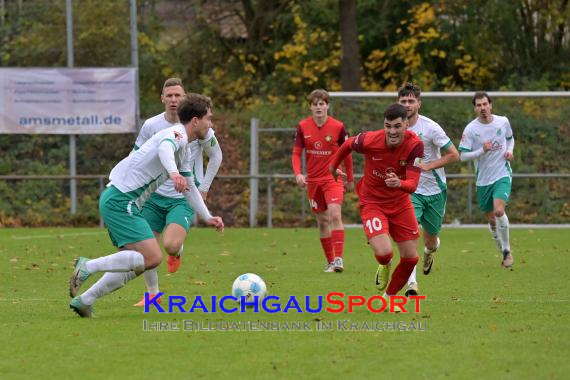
300,179
204,194
424,166
179,182
392,180
349,186
487,146
216,221
509,156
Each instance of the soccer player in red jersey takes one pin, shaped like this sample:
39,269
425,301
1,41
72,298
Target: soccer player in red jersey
391,174
320,136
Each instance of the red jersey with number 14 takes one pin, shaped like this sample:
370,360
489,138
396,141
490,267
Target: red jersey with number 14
379,160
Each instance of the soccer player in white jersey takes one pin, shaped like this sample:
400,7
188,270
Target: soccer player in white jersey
165,155
488,141
430,197
167,212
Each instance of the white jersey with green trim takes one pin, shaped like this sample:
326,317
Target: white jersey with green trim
492,165
158,123
142,172
150,127
434,138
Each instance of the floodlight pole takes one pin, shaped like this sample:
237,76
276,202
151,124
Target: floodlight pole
72,146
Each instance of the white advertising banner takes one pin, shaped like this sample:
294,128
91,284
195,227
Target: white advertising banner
67,101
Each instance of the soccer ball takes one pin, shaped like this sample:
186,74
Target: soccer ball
249,285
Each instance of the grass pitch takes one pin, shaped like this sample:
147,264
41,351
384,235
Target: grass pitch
482,321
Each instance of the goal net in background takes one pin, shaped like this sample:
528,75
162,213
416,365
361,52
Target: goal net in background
541,126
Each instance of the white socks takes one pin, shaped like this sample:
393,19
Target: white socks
151,280
122,261
495,236
106,284
503,232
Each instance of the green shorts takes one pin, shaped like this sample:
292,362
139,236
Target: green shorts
501,189
122,217
430,211
161,211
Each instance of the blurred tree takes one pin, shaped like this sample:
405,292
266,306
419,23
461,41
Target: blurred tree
350,61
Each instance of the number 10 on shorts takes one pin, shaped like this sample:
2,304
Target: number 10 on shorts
373,225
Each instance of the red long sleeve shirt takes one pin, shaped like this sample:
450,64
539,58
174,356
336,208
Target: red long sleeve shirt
379,160
320,143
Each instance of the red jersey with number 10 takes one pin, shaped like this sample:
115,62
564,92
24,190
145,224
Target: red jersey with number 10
320,143
379,160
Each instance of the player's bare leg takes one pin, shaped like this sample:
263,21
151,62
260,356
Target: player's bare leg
173,238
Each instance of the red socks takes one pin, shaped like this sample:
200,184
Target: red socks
384,260
337,237
327,244
401,275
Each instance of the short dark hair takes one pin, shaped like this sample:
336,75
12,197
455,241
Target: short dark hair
481,95
170,82
193,105
318,94
409,89
394,111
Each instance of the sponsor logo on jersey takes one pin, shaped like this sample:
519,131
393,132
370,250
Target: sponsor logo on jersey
318,145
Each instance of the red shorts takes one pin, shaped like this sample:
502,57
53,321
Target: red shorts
401,224
323,193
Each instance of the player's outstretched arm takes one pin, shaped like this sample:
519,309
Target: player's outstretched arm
194,199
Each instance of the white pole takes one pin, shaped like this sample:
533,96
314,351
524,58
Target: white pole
135,56
253,172
72,145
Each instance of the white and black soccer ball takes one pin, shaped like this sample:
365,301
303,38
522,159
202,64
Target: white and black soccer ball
249,285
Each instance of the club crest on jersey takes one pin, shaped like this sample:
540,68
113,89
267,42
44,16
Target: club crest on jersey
318,145
403,162
328,138
177,135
